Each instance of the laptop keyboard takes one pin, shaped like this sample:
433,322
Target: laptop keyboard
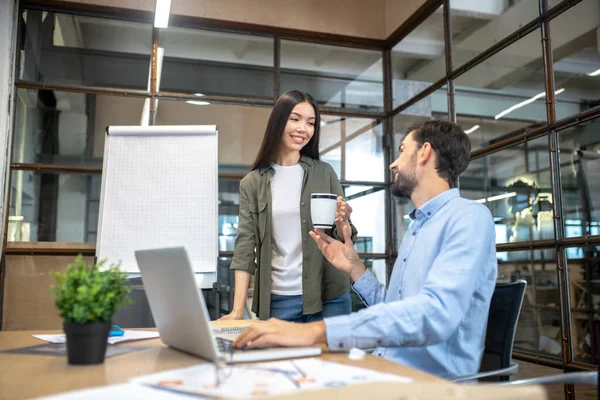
225,345
232,330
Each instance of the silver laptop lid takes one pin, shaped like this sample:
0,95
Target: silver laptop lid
177,307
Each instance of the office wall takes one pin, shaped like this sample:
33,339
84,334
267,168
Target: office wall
28,302
371,19
113,110
396,12
240,128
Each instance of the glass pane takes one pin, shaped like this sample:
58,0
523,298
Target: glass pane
580,173
504,94
53,207
70,49
378,268
334,76
368,216
418,59
206,62
539,323
575,45
241,129
226,282
477,26
485,131
403,207
515,185
434,106
68,128
584,287
229,208
353,147
331,143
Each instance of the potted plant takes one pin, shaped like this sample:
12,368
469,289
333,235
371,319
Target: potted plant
87,297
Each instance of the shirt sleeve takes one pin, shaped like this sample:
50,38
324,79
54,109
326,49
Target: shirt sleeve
431,316
245,243
369,289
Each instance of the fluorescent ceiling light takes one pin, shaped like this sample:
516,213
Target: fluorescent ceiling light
595,73
498,197
524,103
473,129
161,15
198,102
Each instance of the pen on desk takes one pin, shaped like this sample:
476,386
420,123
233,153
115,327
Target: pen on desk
298,369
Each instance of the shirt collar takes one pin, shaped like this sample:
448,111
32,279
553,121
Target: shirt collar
428,209
304,162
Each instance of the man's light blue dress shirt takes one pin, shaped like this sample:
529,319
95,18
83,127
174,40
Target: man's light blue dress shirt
434,313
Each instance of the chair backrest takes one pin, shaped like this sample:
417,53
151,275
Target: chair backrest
503,317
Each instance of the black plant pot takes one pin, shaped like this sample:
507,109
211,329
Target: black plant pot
86,343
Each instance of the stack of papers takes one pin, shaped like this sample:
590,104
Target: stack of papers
127,391
127,336
263,379
239,381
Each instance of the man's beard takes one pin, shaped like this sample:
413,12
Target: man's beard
404,185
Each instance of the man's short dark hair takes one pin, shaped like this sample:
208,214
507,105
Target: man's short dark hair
451,145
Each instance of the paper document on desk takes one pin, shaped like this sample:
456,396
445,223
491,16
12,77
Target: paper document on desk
264,379
132,335
127,391
129,335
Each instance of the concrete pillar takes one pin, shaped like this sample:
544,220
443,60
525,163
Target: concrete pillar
8,25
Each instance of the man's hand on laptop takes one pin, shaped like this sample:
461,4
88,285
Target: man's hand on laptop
340,255
276,332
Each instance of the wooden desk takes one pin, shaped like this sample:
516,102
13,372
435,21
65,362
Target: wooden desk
25,376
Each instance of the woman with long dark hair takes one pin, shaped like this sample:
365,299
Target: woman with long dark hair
293,281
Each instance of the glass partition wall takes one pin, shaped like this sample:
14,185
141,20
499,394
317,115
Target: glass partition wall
522,78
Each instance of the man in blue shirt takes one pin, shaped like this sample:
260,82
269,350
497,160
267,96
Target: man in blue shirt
434,313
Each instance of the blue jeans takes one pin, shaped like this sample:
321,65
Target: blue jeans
289,308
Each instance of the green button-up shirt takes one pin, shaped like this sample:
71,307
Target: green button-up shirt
320,280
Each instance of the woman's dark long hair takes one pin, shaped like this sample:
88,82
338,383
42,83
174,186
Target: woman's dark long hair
276,125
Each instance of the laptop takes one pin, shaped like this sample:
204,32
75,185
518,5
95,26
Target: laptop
181,315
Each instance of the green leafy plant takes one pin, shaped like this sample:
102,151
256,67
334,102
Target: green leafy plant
89,293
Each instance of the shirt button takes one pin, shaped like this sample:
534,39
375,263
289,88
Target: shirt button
305,240
378,354
340,345
302,203
303,221
429,213
414,233
404,260
378,341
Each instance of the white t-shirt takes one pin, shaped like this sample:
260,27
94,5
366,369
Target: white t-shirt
286,260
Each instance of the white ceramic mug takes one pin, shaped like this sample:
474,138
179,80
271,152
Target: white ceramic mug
322,209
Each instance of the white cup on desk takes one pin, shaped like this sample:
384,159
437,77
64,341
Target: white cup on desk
322,209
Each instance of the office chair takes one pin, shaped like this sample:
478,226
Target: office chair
570,378
503,317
